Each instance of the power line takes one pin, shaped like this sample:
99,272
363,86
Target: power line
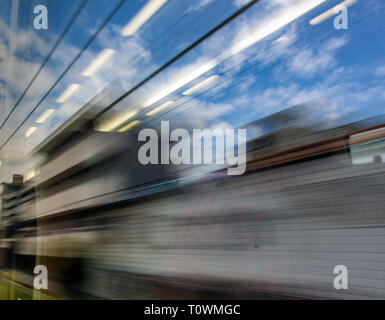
148,78
233,67
65,71
180,55
68,26
261,71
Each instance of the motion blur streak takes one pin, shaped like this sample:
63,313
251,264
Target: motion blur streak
76,199
277,231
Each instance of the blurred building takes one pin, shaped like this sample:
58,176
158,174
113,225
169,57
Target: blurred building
107,227
12,199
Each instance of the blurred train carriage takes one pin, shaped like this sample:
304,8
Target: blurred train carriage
311,199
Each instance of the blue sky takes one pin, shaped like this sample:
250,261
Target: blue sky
343,69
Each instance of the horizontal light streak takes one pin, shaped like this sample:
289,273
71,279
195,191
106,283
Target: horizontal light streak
267,28
116,121
29,132
281,39
271,25
181,82
29,175
330,12
68,92
142,16
98,62
200,85
129,126
46,114
160,108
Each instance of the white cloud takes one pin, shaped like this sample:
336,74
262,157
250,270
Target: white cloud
254,100
380,71
308,62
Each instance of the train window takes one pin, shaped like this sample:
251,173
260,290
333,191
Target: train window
368,147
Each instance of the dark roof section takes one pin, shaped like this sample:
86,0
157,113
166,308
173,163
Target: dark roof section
79,121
